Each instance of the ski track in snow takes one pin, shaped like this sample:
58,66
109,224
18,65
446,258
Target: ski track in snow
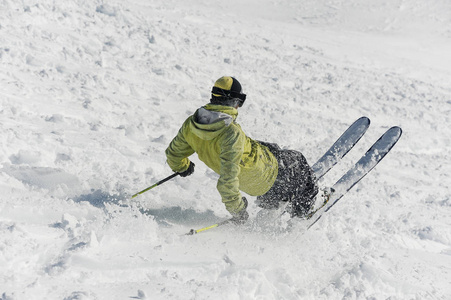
92,92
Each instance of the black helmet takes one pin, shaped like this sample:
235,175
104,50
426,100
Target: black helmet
227,91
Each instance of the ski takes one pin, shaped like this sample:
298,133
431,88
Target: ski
368,161
341,147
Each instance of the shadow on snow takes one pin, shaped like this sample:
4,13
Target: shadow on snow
164,216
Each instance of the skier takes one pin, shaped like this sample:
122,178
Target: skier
257,168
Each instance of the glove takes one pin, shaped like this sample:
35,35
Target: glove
188,171
240,217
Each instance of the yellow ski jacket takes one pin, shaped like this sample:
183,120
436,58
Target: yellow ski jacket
242,163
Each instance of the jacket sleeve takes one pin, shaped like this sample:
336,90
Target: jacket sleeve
228,185
177,153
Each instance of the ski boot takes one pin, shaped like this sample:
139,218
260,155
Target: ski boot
324,198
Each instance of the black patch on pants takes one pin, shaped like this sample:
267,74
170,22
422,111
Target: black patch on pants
295,182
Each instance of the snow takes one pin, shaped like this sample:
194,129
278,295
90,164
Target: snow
92,92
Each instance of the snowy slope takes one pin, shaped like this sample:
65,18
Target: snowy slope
92,92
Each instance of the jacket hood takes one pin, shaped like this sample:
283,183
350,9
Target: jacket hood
211,120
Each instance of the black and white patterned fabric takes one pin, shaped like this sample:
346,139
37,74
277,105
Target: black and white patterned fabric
295,182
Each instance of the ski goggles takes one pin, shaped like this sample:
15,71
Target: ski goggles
230,94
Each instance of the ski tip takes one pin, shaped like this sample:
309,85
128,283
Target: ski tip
396,131
364,119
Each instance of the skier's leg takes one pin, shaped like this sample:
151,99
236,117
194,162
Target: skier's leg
300,183
295,182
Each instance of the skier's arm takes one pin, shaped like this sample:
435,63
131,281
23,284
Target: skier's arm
177,153
228,184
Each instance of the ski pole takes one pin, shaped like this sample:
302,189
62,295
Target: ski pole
156,184
193,231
